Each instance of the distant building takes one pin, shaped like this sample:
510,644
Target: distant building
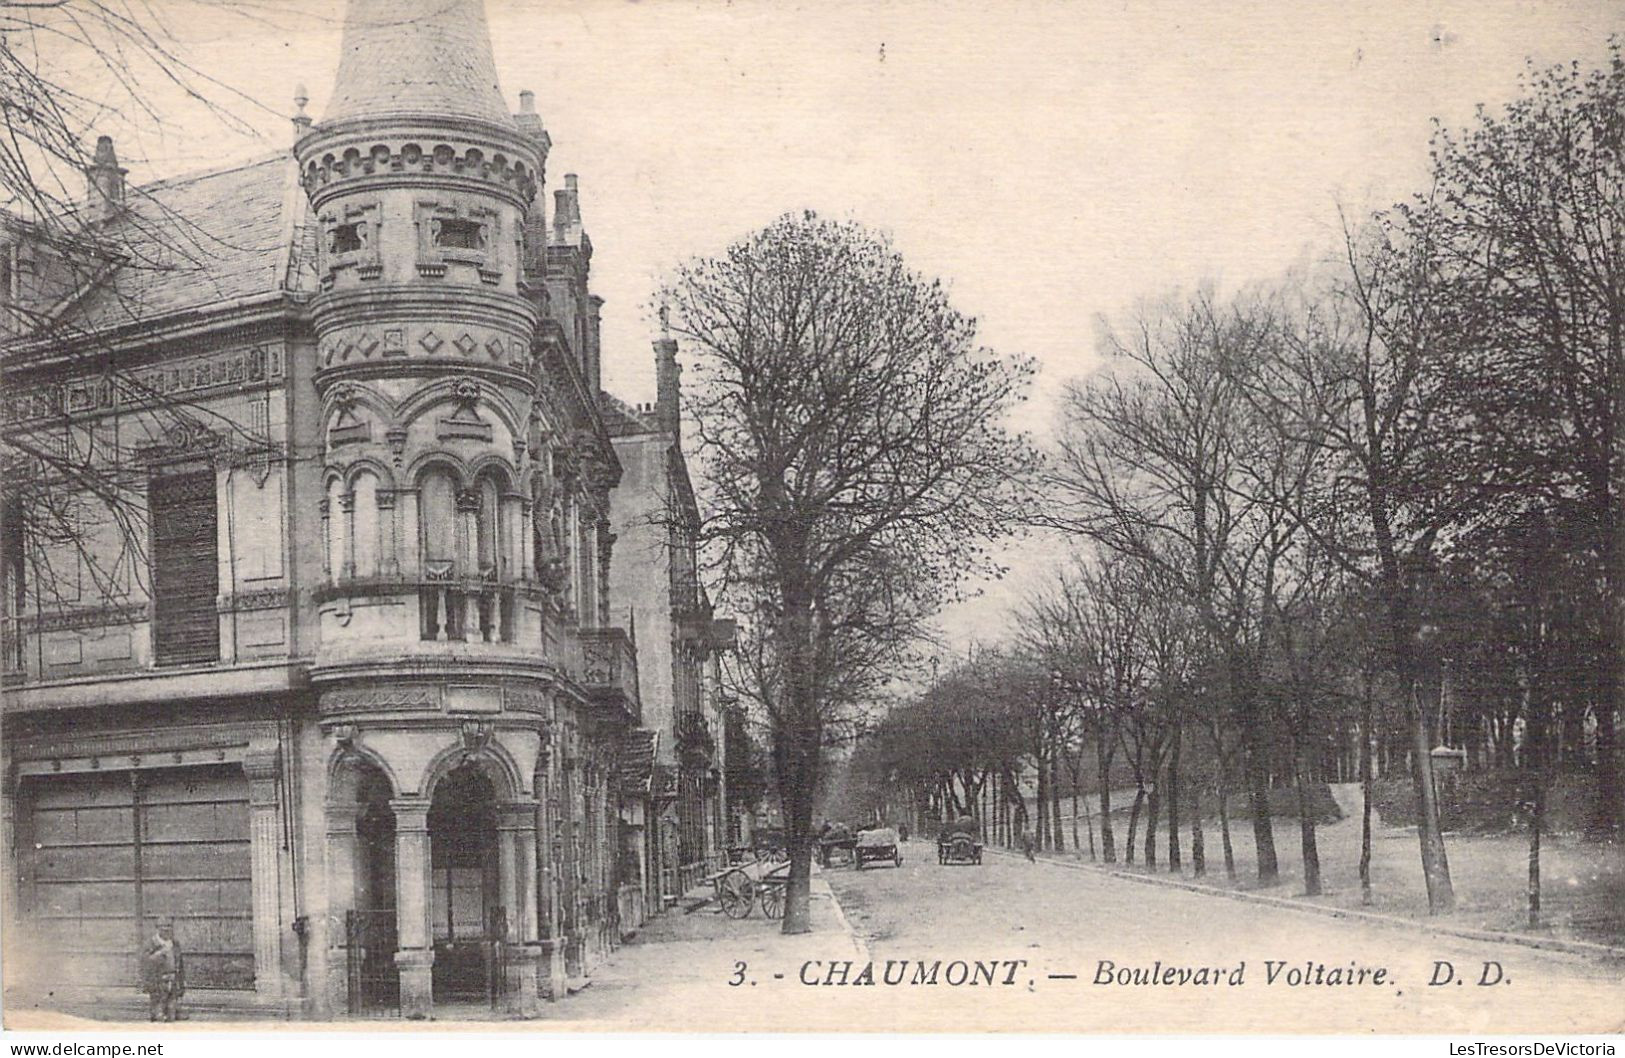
656,582
343,689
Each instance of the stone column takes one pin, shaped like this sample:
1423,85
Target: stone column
262,765
415,957
526,536
389,534
347,512
341,862
516,837
550,972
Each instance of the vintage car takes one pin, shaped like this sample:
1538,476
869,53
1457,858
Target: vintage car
876,846
959,842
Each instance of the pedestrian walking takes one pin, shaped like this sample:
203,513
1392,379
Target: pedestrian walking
163,972
1029,844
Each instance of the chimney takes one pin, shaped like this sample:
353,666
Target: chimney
595,347
668,388
535,224
104,181
567,213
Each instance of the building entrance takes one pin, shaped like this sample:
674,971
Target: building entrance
370,928
469,922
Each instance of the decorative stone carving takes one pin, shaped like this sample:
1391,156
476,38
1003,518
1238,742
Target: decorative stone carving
407,696
469,163
347,428
143,386
87,617
475,736
268,599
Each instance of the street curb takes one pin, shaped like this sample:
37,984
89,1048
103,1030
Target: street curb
1572,947
858,945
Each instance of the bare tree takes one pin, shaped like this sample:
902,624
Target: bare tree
856,464
70,227
1149,468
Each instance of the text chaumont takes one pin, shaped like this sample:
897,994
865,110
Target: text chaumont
954,973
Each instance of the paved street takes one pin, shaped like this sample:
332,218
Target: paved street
1023,922
1067,921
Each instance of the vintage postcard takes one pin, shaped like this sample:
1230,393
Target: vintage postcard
1031,517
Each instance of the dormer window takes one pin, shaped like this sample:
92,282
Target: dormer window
348,238
459,234
352,242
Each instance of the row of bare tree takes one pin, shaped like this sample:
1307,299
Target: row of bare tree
1345,502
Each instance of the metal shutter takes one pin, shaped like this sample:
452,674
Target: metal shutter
186,572
113,850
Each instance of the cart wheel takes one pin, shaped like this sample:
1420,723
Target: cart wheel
736,892
773,901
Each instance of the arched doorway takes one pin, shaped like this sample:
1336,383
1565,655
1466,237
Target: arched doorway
467,916
371,935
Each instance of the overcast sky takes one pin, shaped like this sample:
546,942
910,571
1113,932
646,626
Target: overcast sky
1052,161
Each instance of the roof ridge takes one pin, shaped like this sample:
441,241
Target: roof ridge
183,179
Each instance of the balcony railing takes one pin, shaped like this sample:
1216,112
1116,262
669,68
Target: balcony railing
609,664
466,612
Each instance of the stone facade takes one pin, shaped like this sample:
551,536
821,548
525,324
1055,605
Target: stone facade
656,522
330,677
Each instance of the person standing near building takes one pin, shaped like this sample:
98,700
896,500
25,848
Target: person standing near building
163,973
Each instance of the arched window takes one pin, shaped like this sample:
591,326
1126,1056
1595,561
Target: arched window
364,523
490,556
338,530
437,506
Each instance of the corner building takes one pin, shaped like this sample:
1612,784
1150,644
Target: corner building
356,724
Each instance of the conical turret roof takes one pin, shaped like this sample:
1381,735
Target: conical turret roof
417,57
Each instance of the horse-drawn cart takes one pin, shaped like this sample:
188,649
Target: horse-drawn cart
739,890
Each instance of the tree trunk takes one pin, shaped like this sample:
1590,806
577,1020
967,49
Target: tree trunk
1175,859
1133,824
1198,839
1224,834
1255,763
1611,673
1365,798
798,786
1108,850
1539,754
1055,799
1076,845
1153,803
1306,824
1042,796
1435,865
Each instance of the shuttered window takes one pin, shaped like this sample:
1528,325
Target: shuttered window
185,569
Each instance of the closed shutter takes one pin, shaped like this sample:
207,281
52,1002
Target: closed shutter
112,851
186,572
